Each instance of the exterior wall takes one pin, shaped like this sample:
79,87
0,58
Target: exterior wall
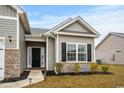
22,46
6,10
12,63
76,27
8,27
109,47
51,53
68,67
75,39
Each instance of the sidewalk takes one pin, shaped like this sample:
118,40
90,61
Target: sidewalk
36,76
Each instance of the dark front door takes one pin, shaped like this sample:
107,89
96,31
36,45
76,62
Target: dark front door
35,57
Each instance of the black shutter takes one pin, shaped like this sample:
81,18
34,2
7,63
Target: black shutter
63,52
89,52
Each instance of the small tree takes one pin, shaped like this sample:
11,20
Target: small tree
93,67
76,68
59,67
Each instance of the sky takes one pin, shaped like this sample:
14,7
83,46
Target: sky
104,19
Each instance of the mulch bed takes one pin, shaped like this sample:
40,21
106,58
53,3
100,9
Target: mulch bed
23,76
52,73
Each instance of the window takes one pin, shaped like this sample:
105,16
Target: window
71,52
76,52
81,52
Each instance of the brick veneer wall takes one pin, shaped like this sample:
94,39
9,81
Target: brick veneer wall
12,63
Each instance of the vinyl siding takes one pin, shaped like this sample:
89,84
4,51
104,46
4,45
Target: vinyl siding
6,10
51,53
8,27
109,47
75,39
22,46
75,27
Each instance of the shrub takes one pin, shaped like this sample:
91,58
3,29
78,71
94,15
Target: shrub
59,67
105,68
93,67
76,68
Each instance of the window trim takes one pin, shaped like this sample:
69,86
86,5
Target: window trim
76,52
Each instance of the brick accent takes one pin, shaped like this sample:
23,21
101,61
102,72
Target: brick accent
12,63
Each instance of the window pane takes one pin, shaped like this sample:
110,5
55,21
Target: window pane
81,57
71,56
81,48
71,52
71,48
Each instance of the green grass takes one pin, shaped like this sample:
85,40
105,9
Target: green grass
85,81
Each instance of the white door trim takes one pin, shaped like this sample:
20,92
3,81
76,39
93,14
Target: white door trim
42,57
29,57
3,47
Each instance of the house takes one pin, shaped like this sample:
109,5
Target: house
111,49
22,47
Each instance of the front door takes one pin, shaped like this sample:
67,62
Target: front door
36,57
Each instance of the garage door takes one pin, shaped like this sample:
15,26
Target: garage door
2,48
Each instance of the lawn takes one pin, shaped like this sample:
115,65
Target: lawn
85,81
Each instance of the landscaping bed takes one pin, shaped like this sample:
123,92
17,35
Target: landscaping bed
52,73
23,76
96,80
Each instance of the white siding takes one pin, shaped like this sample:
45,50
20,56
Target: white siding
6,10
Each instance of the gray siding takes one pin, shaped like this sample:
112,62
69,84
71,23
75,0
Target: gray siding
75,39
8,27
6,10
51,53
109,47
22,46
76,27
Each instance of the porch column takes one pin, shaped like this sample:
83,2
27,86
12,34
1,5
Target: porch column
94,57
46,53
57,48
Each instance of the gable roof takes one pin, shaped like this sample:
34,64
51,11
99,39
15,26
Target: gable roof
111,33
59,25
23,17
71,21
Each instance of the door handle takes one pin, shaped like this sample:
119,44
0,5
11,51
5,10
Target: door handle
1,68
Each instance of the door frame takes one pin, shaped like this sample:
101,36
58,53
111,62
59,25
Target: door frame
29,56
3,47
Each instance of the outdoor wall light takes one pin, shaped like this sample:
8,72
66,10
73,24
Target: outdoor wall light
10,38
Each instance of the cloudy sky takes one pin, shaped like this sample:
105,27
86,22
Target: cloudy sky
104,19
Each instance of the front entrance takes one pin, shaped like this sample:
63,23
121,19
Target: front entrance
36,57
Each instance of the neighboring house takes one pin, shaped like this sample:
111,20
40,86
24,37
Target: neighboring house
22,47
111,49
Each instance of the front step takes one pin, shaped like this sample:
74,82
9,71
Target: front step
36,76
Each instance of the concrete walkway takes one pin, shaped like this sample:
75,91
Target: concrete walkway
36,76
